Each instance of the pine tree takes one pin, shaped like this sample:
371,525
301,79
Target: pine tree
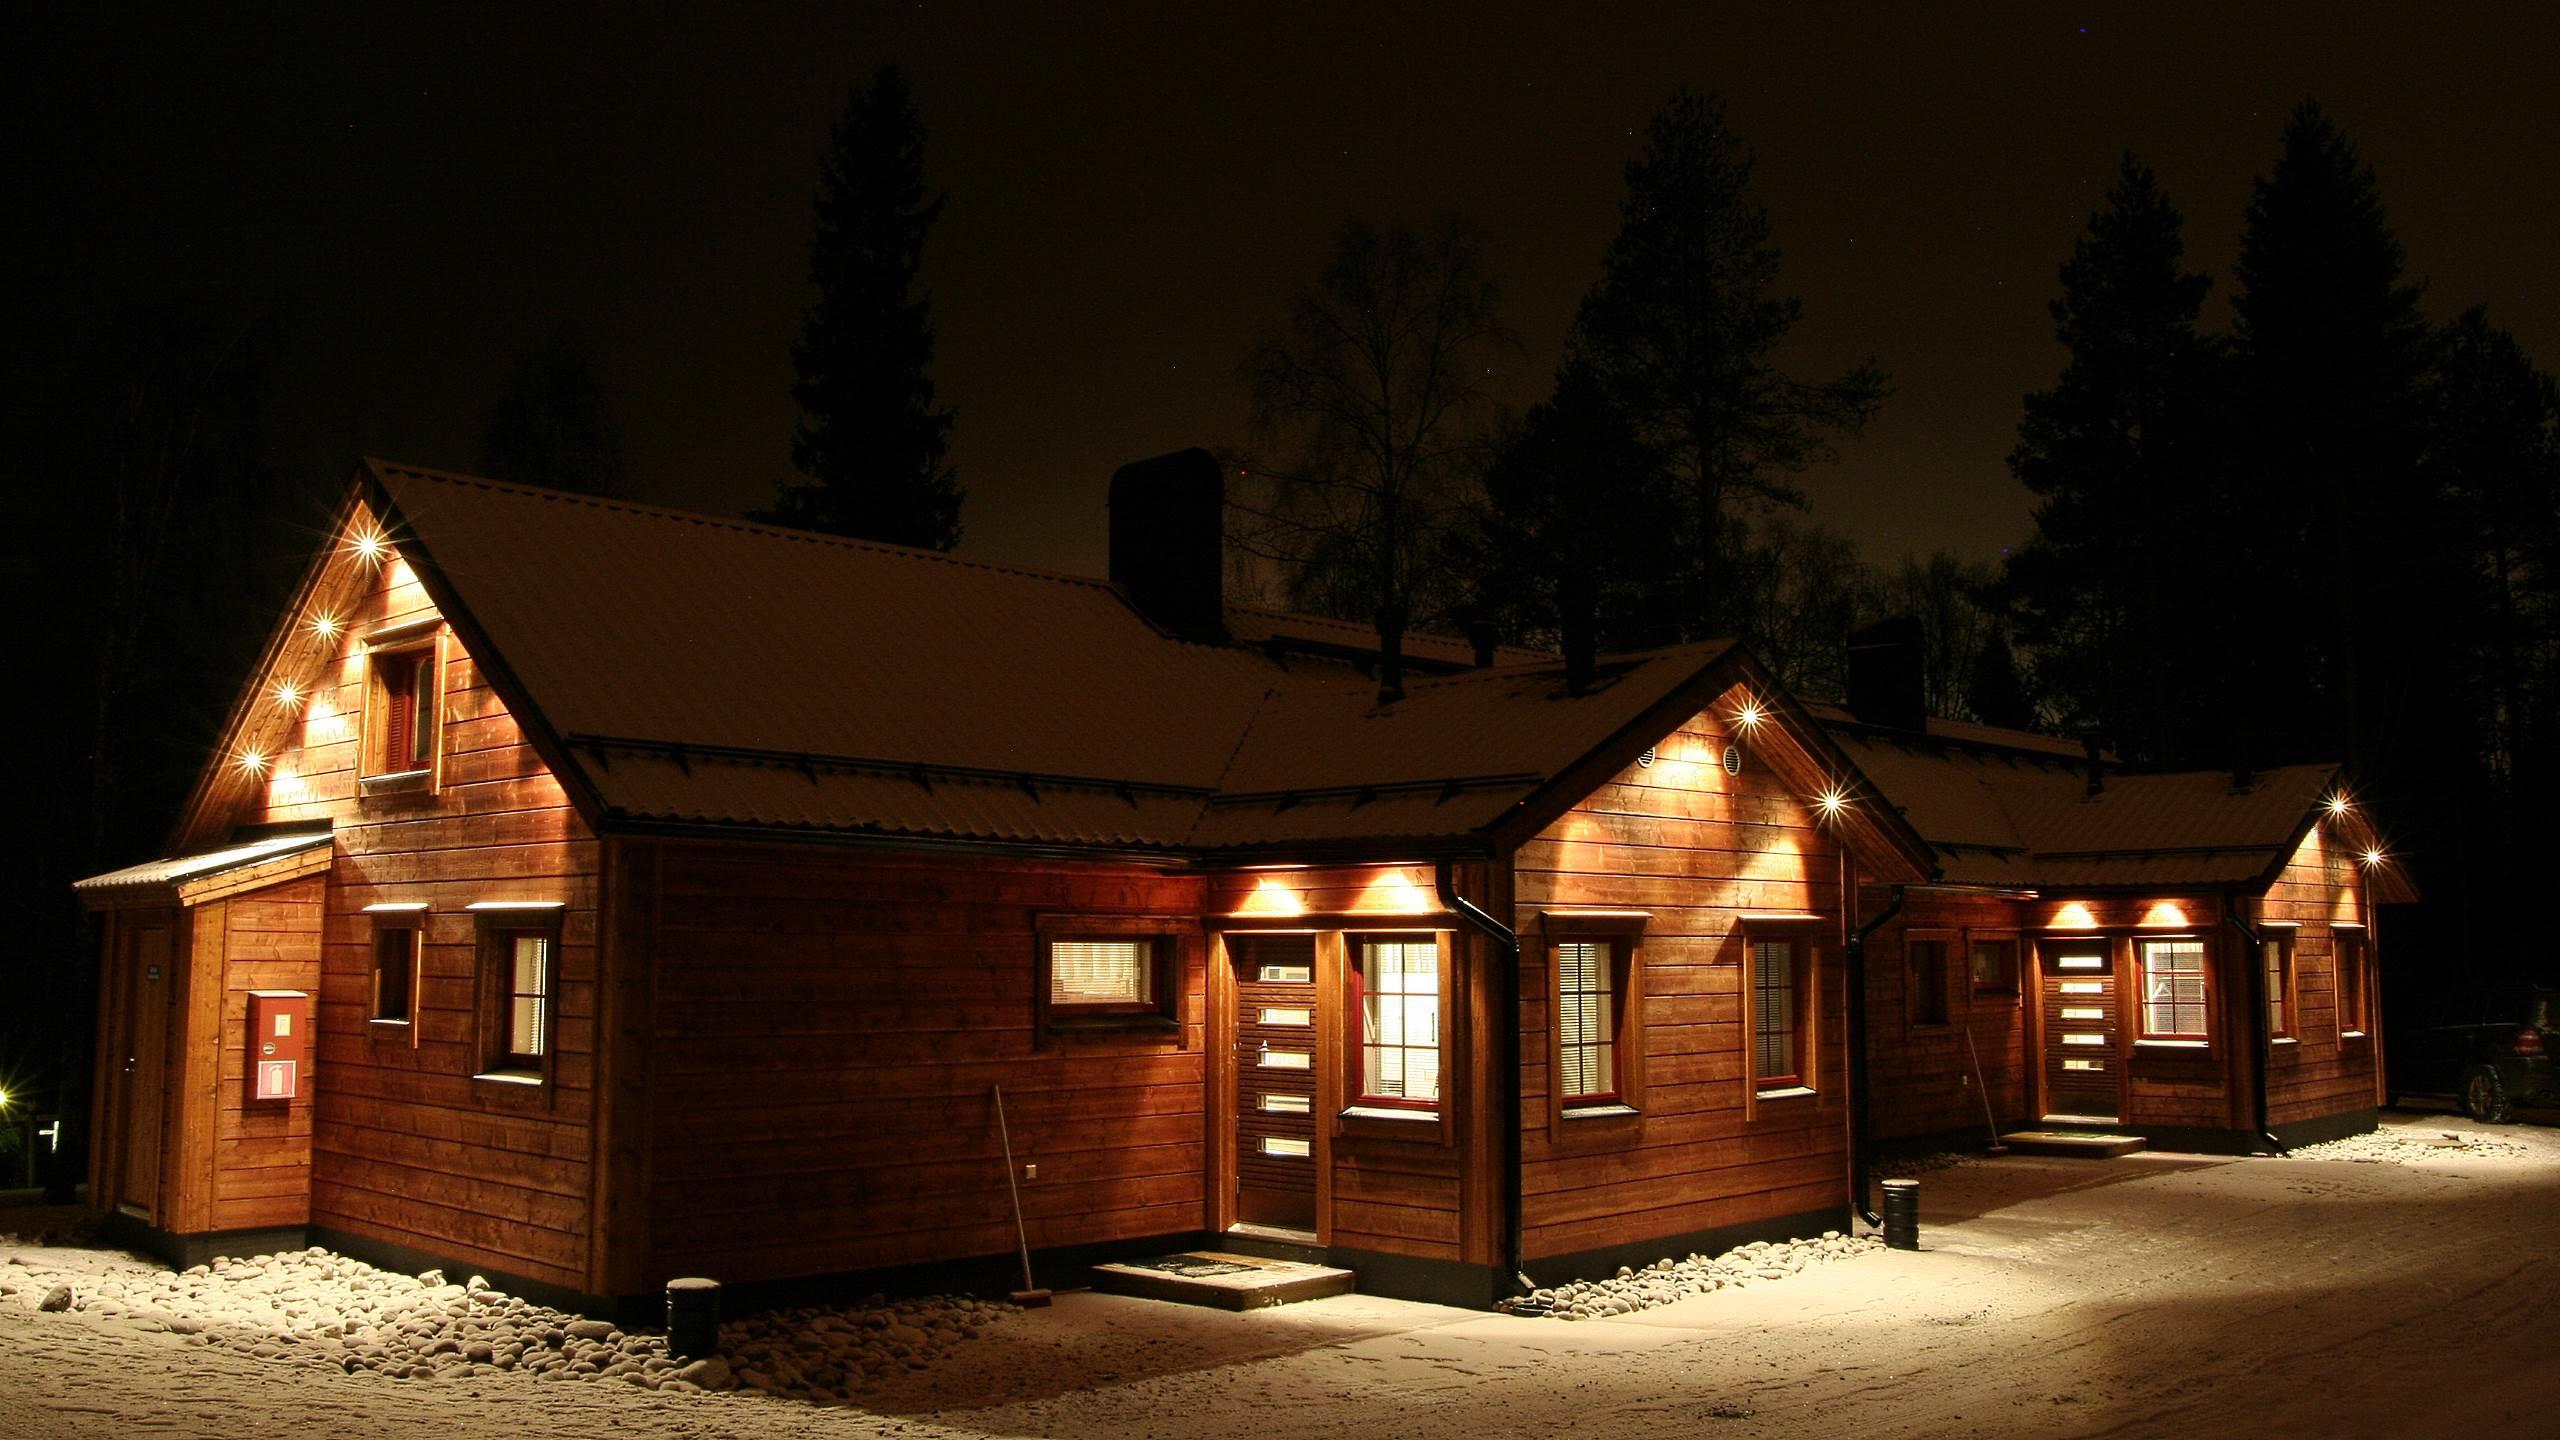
870,438
1683,327
2331,347
2122,454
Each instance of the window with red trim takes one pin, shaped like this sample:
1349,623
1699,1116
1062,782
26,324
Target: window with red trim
2351,979
402,737
2276,957
1394,985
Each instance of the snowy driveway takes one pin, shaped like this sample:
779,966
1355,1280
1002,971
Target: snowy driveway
2406,1288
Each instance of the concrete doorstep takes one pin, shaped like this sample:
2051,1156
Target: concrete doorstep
1222,1280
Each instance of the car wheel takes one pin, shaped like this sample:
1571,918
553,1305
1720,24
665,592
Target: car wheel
2484,1098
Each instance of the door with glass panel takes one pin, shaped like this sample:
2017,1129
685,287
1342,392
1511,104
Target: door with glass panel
1277,1148
2083,1079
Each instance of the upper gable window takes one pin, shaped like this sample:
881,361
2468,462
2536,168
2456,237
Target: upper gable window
403,711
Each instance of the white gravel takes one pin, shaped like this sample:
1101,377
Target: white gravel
2410,1144
319,1309
1666,1281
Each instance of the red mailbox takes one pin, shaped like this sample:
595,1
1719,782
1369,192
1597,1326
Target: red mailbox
279,1042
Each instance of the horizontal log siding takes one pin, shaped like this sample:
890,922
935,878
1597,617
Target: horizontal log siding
1695,848
1921,1078
2170,1085
827,1027
262,1149
2324,1072
407,1148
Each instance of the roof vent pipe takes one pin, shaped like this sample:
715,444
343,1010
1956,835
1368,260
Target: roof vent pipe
2097,757
1168,541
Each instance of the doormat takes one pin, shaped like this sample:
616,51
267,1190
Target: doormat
1190,1267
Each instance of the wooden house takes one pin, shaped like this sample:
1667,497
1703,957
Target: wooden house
588,894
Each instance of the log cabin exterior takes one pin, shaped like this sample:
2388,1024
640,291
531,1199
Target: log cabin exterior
673,894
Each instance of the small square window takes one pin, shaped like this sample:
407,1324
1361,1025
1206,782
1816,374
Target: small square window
1995,967
1129,980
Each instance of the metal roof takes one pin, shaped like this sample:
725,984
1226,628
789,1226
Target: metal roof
201,865
2003,815
705,671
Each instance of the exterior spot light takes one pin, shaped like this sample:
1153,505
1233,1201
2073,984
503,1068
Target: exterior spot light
2372,856
325,626
1831,801
4,1099
1748,717
252,762
368,546
288,695
2338,804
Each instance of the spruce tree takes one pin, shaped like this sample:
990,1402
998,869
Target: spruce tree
871,439
2114,596
1683,328
2331,348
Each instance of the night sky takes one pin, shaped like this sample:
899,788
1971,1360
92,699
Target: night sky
1134,193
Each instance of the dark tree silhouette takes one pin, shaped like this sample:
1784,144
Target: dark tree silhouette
2122,453
870,438
553,425
2330,349
1369,422
1575,520
1683,328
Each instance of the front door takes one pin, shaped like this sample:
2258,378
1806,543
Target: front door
2082,1082
1277,1148
146,988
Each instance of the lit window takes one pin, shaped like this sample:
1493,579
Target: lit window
1995,966
1928,981
1779,1005
1395,990
2173,989
519,986
1121,981
2276,955
1587,999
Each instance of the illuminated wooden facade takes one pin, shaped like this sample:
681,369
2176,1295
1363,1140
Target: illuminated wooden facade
588,1046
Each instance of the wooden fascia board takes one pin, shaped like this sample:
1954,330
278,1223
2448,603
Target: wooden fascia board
220,781
485,657
1892,850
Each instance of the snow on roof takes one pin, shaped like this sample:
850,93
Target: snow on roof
177,868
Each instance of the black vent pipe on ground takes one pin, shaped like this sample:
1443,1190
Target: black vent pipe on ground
2253,972
1506,1062
1861,1165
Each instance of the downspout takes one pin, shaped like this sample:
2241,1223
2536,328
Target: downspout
2254,975
1506,1063
1855,975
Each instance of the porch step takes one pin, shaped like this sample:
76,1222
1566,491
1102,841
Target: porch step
2081,1143
1222,1279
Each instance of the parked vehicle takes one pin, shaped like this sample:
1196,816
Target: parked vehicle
2491,1066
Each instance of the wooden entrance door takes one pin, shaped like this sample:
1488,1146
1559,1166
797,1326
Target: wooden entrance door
1277,1147
145,1039
2083,1079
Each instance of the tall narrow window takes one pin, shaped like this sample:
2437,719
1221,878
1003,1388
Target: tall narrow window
1395,992
519,991
2352,980
2276,959
1586,1021
1928,981
2173,989
1778,1004
395,967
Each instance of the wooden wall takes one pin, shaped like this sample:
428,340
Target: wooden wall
1392,1187
2201,1088
1920,1076
828,1024
1696,849
261,1150
2324,1071
407,1146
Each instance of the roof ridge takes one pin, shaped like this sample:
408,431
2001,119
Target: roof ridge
727,522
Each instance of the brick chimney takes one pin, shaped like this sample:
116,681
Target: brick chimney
1168,541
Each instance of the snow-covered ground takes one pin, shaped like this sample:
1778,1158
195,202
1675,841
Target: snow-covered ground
2404,1283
